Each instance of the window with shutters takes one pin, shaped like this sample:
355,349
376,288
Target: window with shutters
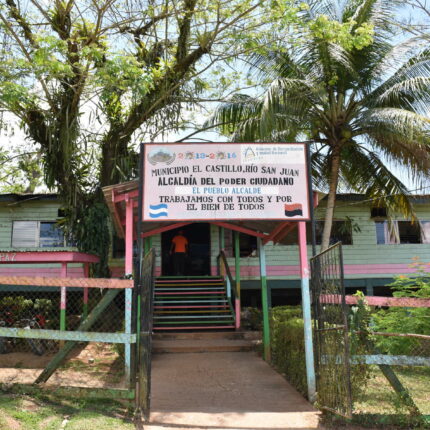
400,232
36,234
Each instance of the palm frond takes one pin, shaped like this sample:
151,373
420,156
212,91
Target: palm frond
366,173
232,113
414,71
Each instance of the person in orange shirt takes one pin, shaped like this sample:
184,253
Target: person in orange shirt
179,251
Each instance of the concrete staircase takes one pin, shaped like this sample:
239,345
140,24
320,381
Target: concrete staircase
239,341
183,303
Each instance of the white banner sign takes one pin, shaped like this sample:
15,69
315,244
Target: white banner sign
225,181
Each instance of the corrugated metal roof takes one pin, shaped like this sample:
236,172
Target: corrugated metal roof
351,197
14,197
63,249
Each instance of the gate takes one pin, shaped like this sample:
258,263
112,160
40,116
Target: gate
331,342
145,306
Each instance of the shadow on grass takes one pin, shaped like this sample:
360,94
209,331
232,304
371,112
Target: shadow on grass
47,410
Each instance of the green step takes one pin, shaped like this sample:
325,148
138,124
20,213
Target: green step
214,296
161,302
188,316
203,291
189,289
189,277
231,321
187,313
188,283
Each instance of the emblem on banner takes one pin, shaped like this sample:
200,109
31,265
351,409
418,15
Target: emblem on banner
161,155
249,154
294,209
158,211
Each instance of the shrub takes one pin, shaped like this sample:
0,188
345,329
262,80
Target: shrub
359,340
288,345
405,320
252,319
17,305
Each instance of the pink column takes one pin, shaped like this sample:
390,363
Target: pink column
64,270
63,299
128,235
86,275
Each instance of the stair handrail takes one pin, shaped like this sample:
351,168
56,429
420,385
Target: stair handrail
230,284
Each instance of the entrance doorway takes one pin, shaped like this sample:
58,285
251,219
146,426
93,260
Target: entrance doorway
198,262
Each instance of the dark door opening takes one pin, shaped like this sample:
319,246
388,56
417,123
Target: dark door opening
198,261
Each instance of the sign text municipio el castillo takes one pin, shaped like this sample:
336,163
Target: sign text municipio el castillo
222,181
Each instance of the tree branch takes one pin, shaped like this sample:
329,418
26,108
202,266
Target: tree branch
29,58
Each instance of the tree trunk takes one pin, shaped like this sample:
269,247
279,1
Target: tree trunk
331,198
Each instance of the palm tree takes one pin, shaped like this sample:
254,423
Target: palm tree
366,110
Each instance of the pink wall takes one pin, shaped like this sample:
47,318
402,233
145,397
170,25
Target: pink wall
118,271
293,270
48,272
350,269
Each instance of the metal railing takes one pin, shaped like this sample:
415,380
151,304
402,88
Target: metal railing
230,283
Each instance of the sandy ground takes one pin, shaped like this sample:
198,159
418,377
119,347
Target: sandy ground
226,390
94,365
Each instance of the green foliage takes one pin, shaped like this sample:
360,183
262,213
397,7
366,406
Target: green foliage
406,320
252,318
343,84
43,306
90,229
50,411
21,171
288,345
88,80
346,34
359,337
19,306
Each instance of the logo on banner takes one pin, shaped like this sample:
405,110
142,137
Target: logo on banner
249,154
161,155
294,209
158,211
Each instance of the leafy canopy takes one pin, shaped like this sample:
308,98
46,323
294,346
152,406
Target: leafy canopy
360,97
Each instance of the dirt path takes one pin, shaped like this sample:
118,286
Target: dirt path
233,390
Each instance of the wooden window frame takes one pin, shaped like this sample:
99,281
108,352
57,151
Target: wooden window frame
36,234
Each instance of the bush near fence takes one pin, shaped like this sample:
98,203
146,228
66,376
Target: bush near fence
288,350
404,319
288,346
374,399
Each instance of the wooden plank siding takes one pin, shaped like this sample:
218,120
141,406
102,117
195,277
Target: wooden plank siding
363,259
31,210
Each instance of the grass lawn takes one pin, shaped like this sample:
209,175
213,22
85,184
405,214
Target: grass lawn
380,398
21,412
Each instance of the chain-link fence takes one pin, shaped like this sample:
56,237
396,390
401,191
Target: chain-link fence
394,367
36,322
412,369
